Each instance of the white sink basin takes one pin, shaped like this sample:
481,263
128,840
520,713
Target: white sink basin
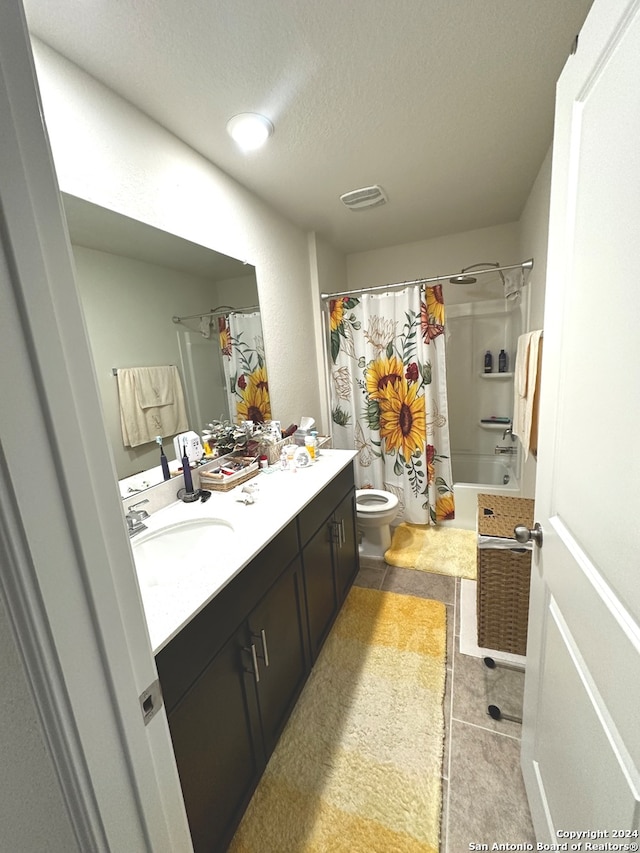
184,548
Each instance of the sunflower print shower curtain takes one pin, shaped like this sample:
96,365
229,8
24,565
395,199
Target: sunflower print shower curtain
242,348
389,397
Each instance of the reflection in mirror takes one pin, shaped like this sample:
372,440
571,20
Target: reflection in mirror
151,298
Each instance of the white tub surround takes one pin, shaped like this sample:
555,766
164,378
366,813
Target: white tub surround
485,470
476,397
280,497
478,474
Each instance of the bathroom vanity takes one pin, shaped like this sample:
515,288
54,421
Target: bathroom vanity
231,670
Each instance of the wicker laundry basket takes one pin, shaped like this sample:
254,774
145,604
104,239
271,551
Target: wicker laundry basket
504,571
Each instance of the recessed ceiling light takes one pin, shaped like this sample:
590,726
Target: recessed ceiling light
249,130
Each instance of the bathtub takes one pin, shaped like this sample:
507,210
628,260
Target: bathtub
476,474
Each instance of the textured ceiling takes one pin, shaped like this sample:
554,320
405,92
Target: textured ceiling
447,104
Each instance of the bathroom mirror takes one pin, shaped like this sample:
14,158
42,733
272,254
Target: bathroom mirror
133,279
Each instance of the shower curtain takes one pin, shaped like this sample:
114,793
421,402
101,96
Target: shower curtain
389,399
245,371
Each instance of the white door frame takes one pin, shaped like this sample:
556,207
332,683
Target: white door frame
68,580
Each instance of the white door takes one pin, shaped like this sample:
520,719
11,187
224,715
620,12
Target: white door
581,731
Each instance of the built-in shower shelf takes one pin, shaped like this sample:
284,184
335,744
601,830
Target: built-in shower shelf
498,426
496,376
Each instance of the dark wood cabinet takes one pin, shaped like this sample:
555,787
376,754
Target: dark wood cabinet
217,749
231,677
225,728
329,554
278,637
320,585
345,544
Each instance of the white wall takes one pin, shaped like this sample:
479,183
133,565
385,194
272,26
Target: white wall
440,256
534,234
108,152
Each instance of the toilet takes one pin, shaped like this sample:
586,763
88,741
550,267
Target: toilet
375,511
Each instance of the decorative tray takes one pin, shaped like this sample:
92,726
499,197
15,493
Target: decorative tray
232,472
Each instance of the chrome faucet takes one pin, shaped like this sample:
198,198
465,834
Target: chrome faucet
135,518
509,431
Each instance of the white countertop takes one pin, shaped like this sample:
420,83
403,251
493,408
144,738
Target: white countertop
279,498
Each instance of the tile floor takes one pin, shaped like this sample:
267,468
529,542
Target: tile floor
483,794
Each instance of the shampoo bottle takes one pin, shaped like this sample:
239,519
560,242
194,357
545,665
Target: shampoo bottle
502,362
488,362
164,462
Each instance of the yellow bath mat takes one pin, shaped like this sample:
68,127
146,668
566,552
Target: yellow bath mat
359,764
433,548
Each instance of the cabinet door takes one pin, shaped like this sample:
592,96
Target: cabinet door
319,579
346,545
219,762
277,627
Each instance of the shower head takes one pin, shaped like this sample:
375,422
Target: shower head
470,279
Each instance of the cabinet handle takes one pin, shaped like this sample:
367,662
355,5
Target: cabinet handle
344,536
263,639
336,533
264,647
254,657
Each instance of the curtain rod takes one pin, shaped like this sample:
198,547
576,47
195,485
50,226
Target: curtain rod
524,265
228,309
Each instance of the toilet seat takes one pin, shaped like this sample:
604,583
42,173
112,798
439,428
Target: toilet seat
374,501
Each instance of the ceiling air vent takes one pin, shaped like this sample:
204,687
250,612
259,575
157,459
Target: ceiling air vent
364,198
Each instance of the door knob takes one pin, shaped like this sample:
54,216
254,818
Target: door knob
523,534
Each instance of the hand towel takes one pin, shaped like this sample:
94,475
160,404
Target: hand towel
521,365
527,389
154,386
151,404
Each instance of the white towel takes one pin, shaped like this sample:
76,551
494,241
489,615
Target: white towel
526,390
521,365
154,386
151,404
